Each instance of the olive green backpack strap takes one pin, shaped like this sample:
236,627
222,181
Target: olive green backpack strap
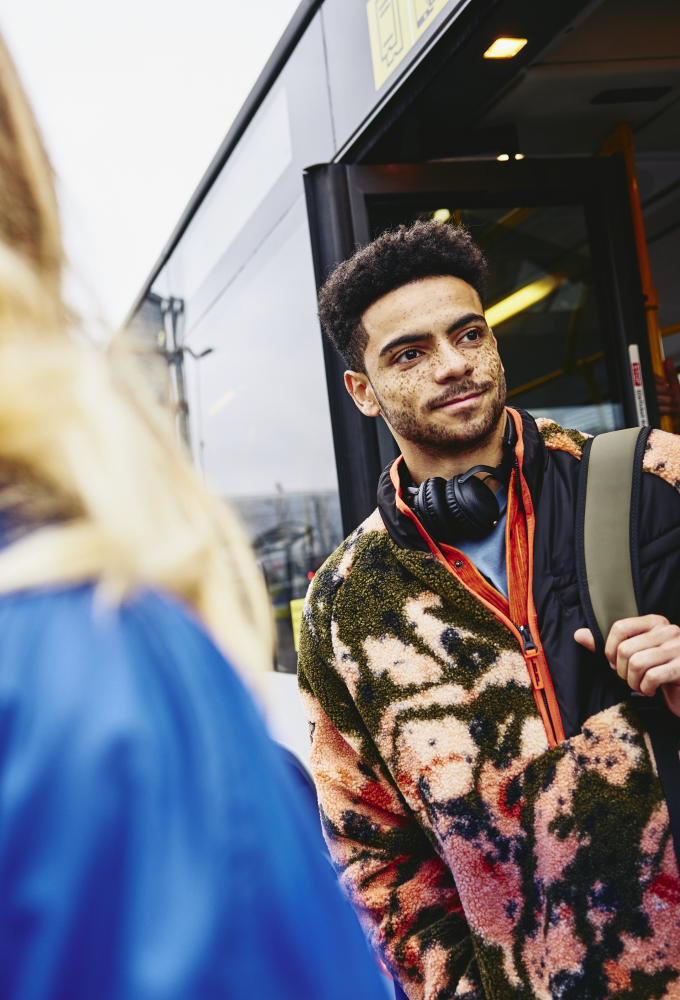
607,517
607,563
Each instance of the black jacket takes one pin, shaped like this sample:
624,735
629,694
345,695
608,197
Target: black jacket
584,682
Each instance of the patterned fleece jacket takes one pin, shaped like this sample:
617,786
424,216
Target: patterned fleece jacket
487,855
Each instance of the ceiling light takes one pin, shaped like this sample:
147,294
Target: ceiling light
503,156
441,215
519,156
505,48
523,299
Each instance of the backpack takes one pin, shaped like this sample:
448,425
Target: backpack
607,566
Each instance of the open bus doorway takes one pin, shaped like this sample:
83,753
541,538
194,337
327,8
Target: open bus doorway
564,295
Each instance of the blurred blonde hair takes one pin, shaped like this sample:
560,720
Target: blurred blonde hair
89,467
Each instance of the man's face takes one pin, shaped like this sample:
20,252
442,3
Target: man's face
432,365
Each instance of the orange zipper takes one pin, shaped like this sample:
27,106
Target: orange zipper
522,556
520,577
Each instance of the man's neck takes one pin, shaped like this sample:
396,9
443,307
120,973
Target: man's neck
426,463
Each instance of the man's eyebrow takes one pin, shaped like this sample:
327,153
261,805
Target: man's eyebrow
469,318
406,338
415,338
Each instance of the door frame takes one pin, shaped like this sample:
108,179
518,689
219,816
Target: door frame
338,196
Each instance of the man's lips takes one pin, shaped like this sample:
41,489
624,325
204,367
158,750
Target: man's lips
460,402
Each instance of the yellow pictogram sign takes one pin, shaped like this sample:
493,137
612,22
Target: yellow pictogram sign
394,26
390,32
423,13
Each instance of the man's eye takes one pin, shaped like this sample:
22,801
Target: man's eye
409,355
471,335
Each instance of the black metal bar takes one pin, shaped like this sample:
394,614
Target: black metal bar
355,437
296,28
625,278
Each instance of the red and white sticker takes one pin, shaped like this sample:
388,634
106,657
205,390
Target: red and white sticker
638,388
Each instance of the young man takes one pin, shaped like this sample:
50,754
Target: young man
487,791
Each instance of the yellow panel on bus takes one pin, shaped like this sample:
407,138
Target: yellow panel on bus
391,34
394,26
423,13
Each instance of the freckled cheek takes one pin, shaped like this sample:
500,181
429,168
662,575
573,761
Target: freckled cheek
404,390
489,353
488,360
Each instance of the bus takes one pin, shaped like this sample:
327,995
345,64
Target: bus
550,130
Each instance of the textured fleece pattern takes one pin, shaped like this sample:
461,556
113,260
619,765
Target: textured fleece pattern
482,864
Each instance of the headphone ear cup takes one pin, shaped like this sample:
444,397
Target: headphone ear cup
474,507
431,508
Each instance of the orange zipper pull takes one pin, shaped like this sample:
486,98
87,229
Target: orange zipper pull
531,656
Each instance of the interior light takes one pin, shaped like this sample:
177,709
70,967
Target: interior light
441,215
519,156
505,48
523,299
503,156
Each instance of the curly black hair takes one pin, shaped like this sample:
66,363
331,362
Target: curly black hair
398,257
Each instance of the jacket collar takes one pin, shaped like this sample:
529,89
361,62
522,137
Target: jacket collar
402,529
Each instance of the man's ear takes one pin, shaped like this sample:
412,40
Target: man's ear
361,391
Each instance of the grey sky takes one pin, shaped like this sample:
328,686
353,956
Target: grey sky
133,100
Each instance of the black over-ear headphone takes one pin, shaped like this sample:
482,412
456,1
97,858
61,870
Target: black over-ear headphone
463,507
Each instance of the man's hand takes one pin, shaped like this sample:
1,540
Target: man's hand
645,652
668,394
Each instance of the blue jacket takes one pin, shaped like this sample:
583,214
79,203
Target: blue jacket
151,845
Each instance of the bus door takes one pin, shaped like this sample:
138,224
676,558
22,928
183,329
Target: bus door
564,296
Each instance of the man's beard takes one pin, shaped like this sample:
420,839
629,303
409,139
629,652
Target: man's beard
470,432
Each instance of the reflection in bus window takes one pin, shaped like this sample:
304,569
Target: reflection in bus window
292,534
260,419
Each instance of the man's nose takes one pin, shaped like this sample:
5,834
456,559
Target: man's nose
451,363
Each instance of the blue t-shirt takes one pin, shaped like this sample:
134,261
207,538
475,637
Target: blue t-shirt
488,555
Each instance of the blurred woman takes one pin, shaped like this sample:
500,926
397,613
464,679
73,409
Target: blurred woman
150,845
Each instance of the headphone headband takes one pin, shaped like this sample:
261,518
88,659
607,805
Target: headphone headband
494,473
